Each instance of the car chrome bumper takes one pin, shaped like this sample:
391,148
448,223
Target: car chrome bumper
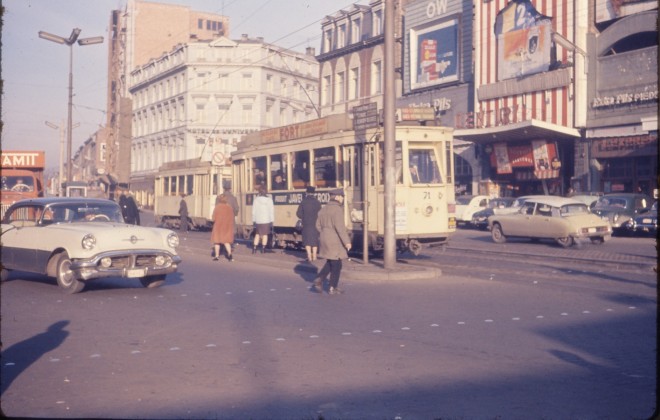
133,264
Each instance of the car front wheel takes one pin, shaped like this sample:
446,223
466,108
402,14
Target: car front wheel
565,242
497,234
151,282
66,279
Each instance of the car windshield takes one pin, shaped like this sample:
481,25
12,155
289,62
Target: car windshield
574,209
464,199
611,202
85,212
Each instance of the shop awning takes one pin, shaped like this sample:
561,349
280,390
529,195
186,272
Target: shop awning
520,131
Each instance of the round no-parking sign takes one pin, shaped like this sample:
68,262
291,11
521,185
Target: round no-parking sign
218,158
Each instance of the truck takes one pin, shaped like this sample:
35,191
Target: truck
22,176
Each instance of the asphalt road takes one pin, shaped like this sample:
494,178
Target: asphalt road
502,333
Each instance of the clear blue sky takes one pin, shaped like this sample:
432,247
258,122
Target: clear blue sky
35,71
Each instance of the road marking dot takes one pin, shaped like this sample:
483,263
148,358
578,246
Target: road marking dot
211,345
95,356
345,333
586,312
489,320
435,325
515,319
539,316
136,352
174,348
406,328
280,339
632,307
313,336
461,322
247,342
376,331
564,314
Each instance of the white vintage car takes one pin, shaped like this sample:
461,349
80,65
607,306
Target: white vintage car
563,220
80,239
467,205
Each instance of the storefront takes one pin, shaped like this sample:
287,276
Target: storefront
621,148
527,157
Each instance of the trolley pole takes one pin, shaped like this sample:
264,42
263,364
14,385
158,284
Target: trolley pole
389,96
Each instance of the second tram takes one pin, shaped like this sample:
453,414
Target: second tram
327,154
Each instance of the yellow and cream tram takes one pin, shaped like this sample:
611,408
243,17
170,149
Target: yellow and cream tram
196,182
327,154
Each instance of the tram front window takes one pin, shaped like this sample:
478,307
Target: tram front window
278,172
423,167
259,168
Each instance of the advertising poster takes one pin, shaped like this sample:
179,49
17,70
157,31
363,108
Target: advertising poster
502,158
434,54
524,40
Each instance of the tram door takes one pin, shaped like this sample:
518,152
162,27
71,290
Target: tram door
239,186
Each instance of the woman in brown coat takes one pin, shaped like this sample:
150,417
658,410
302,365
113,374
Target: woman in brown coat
223,228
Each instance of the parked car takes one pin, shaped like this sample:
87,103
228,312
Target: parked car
467,205
618,208
561,219
80,239
645,223
495,206
590,199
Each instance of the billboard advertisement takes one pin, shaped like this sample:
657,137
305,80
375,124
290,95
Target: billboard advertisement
434,54
524,40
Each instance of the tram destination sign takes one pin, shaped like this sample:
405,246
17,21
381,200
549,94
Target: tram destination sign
365,116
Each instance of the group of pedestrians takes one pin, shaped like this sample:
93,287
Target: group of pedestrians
324,232
323,229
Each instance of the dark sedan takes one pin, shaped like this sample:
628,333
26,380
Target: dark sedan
645,223
618,208
495,206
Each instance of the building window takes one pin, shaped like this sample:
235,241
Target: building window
246,82
246,117
200,23
378,22
327,85
341,86
327,40
341,36
377,78
283,87
208,25
354,86
356,31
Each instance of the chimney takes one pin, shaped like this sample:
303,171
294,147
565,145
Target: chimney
244,37
310,51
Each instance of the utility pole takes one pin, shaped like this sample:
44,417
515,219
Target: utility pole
389,97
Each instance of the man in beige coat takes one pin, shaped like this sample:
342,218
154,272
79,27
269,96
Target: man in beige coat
334,241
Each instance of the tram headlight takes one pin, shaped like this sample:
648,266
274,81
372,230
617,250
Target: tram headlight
428,211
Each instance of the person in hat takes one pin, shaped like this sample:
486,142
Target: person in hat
129,208
334,241
307,212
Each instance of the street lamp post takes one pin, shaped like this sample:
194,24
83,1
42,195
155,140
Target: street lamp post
70,41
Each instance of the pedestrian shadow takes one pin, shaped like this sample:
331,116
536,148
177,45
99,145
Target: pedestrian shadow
19,357
306,271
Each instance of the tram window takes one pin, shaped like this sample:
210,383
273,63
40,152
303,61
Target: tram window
278,172
325,167
398,162
423,167
173,183
300,170
259,168
189,185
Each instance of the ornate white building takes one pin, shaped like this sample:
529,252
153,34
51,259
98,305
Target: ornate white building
197,100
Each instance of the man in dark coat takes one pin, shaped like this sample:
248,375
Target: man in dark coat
183,214
334,241
307,212
129,208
